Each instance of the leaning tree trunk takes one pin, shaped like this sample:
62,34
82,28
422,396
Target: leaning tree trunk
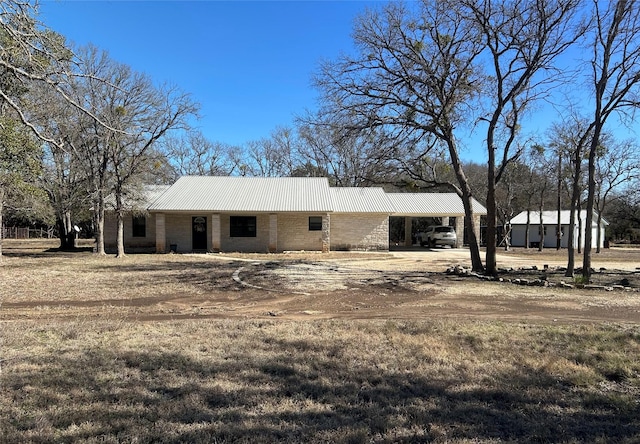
467,202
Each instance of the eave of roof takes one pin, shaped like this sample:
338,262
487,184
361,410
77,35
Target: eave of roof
431,204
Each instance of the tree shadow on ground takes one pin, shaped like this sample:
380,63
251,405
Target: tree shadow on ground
301,391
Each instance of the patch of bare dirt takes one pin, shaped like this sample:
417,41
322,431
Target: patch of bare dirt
407,284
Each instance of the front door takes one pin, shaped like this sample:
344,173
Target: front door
199,233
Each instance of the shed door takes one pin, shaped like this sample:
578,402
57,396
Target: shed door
199,233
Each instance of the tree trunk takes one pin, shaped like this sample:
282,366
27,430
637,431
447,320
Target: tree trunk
574,207
491,214
559,203
598,233
541,226
1,226
507,236
580,224
120,218
65,231
588,236
98,216
527,229
470,226
120,234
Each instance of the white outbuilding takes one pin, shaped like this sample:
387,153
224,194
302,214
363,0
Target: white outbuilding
550,227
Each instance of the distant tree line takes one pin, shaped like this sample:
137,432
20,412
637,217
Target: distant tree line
81,133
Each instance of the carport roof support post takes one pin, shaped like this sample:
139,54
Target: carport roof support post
408,239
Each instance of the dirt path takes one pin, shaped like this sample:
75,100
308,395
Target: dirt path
408,284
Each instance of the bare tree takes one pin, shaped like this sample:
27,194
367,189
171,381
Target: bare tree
144,114
522,40
274,156
618,163
570,137
413,77
615,79
193,154
349,159
510,193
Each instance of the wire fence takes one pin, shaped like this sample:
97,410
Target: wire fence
27,233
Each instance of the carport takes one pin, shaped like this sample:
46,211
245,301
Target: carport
441,206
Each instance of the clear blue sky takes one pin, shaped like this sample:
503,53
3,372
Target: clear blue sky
248,63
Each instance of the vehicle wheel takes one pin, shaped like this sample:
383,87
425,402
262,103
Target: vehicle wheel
433,243
422,244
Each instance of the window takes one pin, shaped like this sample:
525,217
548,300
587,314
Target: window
315,223
139,226
243,226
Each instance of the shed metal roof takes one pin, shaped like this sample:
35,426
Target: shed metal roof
361,200
551,218
246,194
431,204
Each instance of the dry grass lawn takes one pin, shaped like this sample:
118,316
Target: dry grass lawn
96,350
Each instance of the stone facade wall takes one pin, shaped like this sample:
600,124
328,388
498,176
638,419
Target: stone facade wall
358,231
294,234
346,232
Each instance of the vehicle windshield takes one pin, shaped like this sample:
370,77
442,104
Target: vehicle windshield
444,229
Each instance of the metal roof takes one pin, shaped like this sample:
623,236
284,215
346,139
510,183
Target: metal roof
299,194
246,194
551,218
361,200
431,204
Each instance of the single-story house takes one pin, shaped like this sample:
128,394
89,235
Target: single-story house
550,224
266,214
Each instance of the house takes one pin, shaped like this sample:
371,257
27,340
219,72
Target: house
139,230
550,224
266,214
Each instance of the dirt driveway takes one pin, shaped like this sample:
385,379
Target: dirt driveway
411,284
405,284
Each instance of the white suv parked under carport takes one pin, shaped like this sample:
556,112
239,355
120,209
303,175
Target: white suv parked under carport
438,235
